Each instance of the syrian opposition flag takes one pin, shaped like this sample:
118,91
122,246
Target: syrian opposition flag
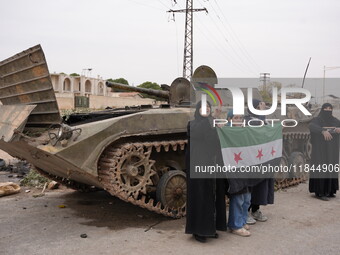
248,146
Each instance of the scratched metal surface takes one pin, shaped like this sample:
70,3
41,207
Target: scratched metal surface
25,80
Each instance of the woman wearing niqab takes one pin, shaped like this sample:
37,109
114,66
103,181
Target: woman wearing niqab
205,208
325,131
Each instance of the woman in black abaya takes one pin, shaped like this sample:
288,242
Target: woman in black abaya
325,152
205,208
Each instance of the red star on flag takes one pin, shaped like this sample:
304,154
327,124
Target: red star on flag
260,155
237,157
273,151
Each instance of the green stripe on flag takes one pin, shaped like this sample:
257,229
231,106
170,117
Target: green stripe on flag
248,136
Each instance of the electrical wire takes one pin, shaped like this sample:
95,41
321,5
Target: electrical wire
222,50
249,65
233,34
147,5
211,37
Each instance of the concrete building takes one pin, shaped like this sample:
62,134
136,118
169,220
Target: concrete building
79,85
71,89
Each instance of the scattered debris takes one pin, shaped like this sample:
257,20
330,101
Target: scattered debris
83,236
17,166
153,225
8,188
62,206
27,191
2,164
34,179
38,195
53,185
42,192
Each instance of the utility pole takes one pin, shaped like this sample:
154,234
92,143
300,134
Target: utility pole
188,37
264,77
325,68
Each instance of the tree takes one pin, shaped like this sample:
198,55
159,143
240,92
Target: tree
119,80
267,91
151,85
74,74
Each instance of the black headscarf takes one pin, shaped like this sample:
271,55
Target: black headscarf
197,115
326,116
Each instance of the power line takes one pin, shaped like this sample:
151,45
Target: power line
211,37
249,66
233,34
147,5
163,4
237,62
229,45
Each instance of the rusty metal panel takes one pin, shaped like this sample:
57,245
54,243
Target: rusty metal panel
13,117
48,162
25,80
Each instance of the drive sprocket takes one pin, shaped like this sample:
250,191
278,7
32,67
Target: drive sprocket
130,169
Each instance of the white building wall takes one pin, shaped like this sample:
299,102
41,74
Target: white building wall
65,99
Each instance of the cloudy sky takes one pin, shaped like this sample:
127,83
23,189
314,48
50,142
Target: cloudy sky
138,40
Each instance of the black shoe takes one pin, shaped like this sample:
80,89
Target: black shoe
331,195
201,239
323,198
214,236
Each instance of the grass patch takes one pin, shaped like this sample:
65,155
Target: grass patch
34,179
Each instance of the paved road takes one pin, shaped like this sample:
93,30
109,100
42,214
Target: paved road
298,224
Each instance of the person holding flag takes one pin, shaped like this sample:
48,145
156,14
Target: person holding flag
238,193
205,207
262,193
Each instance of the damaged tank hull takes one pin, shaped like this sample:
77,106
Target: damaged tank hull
127,152
136,154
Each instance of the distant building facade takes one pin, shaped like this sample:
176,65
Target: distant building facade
67,88
79,85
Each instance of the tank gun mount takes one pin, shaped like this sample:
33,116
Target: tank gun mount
177,95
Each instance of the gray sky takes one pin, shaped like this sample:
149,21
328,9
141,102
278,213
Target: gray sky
136,39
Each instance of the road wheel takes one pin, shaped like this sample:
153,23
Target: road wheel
172,189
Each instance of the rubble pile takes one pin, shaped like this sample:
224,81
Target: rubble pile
15,166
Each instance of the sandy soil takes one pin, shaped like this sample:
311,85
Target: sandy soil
5,156
298,224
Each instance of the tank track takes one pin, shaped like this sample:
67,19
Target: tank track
144,201
288,182
110,161
67,182
296,135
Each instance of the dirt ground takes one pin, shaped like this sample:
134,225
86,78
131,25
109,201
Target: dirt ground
298,224
5,156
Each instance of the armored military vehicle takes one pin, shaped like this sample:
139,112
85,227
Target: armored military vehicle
135,153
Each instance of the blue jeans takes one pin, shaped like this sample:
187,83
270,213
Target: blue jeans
238,210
